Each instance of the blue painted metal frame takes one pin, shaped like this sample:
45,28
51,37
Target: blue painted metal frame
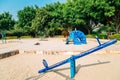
78,37
72,67
98,40
73,58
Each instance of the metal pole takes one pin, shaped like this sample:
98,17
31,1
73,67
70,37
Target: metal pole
72,67
98,40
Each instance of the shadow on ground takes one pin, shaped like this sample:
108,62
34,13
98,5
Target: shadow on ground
63,75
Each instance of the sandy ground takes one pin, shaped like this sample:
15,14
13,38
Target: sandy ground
25,66
91,67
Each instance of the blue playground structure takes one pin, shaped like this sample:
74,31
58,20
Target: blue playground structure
3,33
77,36
72,59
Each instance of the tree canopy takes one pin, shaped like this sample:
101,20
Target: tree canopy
6,21
85,15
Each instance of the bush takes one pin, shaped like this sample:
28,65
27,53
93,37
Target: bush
26,37
90,36
16,37
102,36
115,36
65,33
11,37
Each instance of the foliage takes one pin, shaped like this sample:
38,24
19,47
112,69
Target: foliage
16,37
115,19
17,31
55,23
102,36
6,21
25,18
26,15
90,36
115,36
11,37
23,37
39,21
52,19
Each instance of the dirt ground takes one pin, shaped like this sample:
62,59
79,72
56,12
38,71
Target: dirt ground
25,66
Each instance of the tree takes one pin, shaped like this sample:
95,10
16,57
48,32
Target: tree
40,21
96,11
75,16
6,21
85,15
48,19
115,19
25,18
55,22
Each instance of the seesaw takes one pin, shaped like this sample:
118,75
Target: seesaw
72,59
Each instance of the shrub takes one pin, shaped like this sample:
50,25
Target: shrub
11,37
16,37
26,37
115,36
65,33
102,36
90,36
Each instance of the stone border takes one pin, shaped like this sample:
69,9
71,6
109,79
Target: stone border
10,53
51,52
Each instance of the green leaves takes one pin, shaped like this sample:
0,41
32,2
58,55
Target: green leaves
6,21
53,18
26,15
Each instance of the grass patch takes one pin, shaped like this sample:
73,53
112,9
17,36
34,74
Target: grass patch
16,37
90,36
26,37
11,37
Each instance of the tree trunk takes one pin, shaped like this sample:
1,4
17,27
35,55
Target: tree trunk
36,35
89,31
117,29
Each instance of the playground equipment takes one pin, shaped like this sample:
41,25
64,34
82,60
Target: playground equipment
77,36
3,33
43,36
74,57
